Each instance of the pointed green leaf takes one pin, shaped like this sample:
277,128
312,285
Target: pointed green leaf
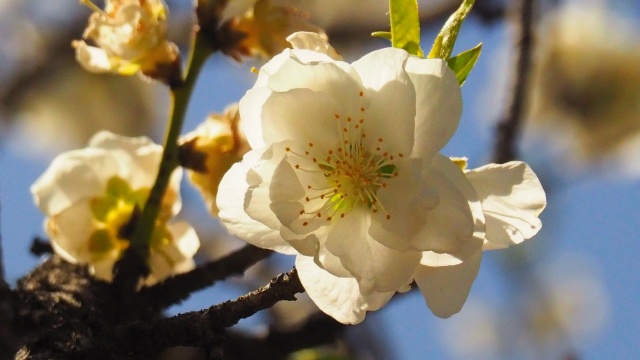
443,46
463,63
405,25
382,34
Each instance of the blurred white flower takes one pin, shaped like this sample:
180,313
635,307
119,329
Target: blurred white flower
131,37
558,306
572,303
511,199
89,196
329,181
479,322
586,86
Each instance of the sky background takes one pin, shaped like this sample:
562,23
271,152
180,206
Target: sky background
586,254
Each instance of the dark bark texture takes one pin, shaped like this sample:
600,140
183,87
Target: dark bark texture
60,312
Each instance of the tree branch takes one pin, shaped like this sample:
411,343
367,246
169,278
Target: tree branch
318,329
204,329
40,246
508,128
178,288
283,287
9,343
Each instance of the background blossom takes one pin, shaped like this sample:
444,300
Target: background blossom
89,195
131,36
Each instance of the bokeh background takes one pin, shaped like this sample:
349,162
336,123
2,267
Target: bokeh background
572,292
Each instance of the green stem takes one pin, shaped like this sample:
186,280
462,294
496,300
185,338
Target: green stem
180,96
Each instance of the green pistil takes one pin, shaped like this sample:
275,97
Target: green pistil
113,213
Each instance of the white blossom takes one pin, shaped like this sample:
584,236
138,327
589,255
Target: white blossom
89,195
345,173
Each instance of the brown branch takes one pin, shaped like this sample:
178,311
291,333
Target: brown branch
59,307
178,288
318,329
204,329
9,342
283,287
40,246
508,128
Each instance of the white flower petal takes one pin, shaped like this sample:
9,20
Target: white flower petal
286,195
375,266
313,41
185,242
131,145
406,202
304,115
273,66
92,59
389,100
446,288
331,263
512,198
70,231
450,224
103,270
142,157
335,78
251,114
438,104
73,176
272,202
177,256
234,196
339,297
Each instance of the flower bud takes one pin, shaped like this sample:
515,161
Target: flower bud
265,28
211,149
130,38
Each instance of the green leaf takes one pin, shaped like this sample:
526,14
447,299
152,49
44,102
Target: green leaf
444,43
382,34
463,63
405,26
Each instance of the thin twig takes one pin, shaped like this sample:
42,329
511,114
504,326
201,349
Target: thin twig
283,287
177,288
508,128
40,246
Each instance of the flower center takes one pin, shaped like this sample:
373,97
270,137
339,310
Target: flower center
112,214
354,171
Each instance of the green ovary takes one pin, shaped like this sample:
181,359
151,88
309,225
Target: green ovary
113,215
